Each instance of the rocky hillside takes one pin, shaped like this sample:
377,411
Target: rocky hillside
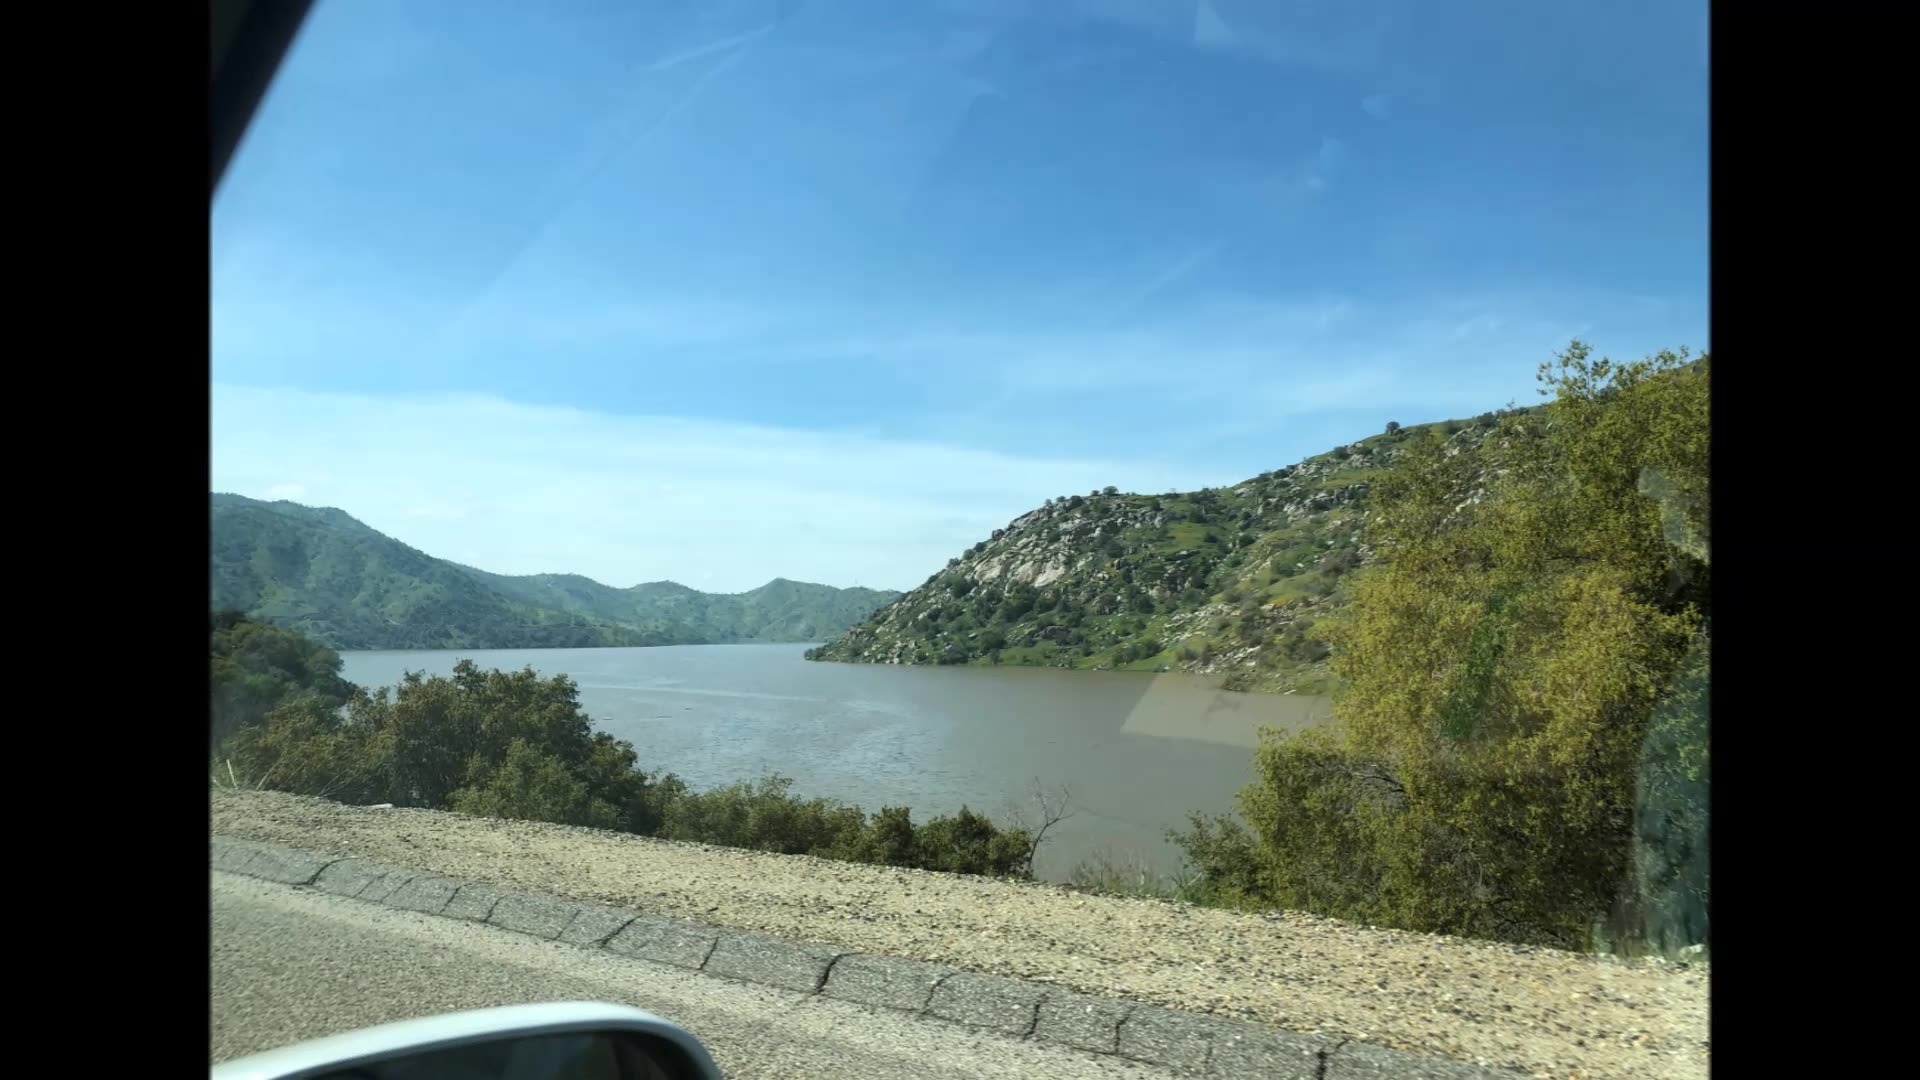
320,571
1228,580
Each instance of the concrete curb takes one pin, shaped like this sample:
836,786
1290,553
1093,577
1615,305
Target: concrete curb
1185,1042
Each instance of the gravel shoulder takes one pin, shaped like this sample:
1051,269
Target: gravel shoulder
1550,1013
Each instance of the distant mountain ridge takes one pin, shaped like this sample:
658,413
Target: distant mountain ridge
327,574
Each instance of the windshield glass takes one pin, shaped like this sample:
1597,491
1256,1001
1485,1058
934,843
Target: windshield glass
1093,493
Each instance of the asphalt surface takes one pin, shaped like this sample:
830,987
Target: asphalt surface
291,964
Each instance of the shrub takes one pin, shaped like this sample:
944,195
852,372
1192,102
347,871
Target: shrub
1310,650
257,667
890,838
1228,865
1393,427
302,747
767,816
763,816
504,744
1019,601
968,843
1513,686
1339,561
532,785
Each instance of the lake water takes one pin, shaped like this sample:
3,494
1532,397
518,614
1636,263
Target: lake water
1137,751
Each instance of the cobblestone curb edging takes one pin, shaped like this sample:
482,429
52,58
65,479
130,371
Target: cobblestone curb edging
1186,1042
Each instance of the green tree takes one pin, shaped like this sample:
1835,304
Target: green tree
1019,600
890,838
530,784
1503,665
305,747
256,667
504,744
968,843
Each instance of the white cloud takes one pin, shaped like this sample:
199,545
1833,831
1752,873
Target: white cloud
1210,31
1335,40
515,488
698,51
292,492
1171,273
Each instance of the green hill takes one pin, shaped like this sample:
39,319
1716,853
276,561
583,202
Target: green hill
780,610
1226,580
328,575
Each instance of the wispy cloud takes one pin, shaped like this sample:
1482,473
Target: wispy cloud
1347,41
720,45
1200,355
1210,31
1325,162
515,488
1179,268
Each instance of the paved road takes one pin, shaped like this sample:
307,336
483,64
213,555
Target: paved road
291,964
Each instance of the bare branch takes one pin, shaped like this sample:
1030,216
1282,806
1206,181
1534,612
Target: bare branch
1053,809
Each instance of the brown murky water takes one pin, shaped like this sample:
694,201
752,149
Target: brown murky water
1138,751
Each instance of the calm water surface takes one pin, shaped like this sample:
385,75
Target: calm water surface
1137,751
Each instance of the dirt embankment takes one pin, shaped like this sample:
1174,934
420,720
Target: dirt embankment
1551,1013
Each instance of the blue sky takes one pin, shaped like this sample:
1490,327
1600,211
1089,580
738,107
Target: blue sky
723,291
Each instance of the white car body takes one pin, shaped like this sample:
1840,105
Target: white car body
386,1041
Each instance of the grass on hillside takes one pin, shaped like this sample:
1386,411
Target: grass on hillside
1106,874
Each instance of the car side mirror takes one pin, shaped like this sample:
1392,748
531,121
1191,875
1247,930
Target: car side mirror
562,1041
